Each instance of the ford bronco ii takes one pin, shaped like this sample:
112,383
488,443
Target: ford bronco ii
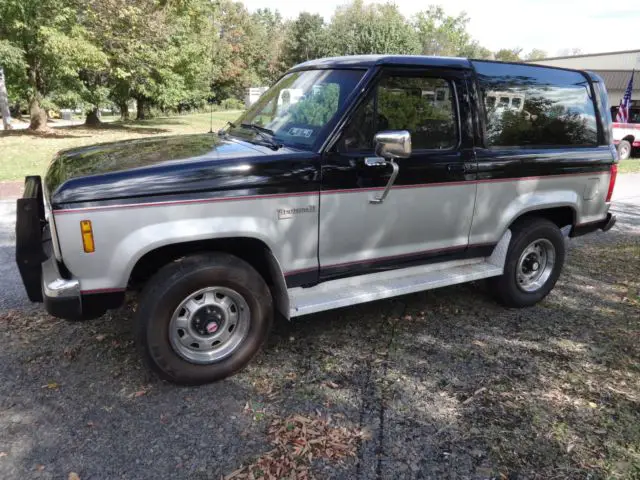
352,179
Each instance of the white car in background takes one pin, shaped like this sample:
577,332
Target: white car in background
626,136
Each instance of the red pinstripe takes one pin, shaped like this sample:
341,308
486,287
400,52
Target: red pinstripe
322,192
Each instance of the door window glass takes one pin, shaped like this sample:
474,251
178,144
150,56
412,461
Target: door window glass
422,105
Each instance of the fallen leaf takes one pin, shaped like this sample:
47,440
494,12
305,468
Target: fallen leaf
73,476
331,384
100,337
40,467
91,424
139,393
593,405
570,447
3,454
51,386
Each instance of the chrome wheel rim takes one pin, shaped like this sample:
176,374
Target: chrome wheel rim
209,325
535,265
624,151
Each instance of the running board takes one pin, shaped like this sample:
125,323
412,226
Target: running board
376,286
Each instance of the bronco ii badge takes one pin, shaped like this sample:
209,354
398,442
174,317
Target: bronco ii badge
285,213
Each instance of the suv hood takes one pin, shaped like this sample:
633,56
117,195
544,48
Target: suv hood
158,166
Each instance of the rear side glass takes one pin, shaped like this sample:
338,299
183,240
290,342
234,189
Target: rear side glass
537,106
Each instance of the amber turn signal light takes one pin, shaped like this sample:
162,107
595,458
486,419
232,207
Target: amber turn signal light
87,236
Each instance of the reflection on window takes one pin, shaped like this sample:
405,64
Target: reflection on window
300,105
423,106
538,106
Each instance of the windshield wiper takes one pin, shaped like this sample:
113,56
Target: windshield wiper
222,131
266,134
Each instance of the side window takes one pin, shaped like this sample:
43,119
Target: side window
425,106
537,106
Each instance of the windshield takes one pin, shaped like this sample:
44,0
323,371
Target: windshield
297,108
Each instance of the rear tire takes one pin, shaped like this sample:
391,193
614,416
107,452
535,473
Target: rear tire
534,261
624,150
203,318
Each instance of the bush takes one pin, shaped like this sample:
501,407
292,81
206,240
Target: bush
232,104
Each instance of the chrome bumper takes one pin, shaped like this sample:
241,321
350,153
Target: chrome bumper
53,285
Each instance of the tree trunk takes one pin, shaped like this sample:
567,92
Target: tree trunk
93,118
124,111
38,121
4,103
140,105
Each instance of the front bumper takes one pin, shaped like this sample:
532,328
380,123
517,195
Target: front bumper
605,225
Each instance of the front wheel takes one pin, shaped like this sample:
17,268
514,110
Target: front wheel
203,318
533,264
624,149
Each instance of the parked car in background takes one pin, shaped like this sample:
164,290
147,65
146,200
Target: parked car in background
381,176
626,136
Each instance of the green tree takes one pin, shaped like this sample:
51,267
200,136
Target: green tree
53,46
536,54
357,29
155,51
305,39
509,55
442,34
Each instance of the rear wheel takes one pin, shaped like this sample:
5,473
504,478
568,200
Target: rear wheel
203,318
624,149
533,264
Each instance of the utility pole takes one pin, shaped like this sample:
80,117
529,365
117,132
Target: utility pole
4,103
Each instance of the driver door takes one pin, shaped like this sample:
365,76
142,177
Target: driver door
427,214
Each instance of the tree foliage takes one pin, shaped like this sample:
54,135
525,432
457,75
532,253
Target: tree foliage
180,54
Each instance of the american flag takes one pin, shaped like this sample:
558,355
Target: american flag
625,103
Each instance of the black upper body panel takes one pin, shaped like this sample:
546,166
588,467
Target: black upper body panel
208,165
135,170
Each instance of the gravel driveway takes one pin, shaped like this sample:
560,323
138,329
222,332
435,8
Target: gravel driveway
442,384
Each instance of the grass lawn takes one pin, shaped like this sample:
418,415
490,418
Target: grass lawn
23,153
631,165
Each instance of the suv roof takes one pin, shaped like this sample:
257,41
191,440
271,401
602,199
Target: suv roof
366,61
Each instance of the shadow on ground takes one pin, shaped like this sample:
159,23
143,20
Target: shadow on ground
447,383
83,131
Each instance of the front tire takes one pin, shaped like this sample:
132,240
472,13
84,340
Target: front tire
203,318
534,261
624,150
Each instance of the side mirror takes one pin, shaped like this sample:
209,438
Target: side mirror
392,144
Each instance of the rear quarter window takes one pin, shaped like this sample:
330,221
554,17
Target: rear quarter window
538,106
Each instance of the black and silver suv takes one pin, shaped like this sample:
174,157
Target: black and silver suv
352,179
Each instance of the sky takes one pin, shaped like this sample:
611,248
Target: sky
551,25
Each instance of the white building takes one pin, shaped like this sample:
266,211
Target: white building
614,67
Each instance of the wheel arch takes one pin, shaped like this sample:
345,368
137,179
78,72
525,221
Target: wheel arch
562,215
251,250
